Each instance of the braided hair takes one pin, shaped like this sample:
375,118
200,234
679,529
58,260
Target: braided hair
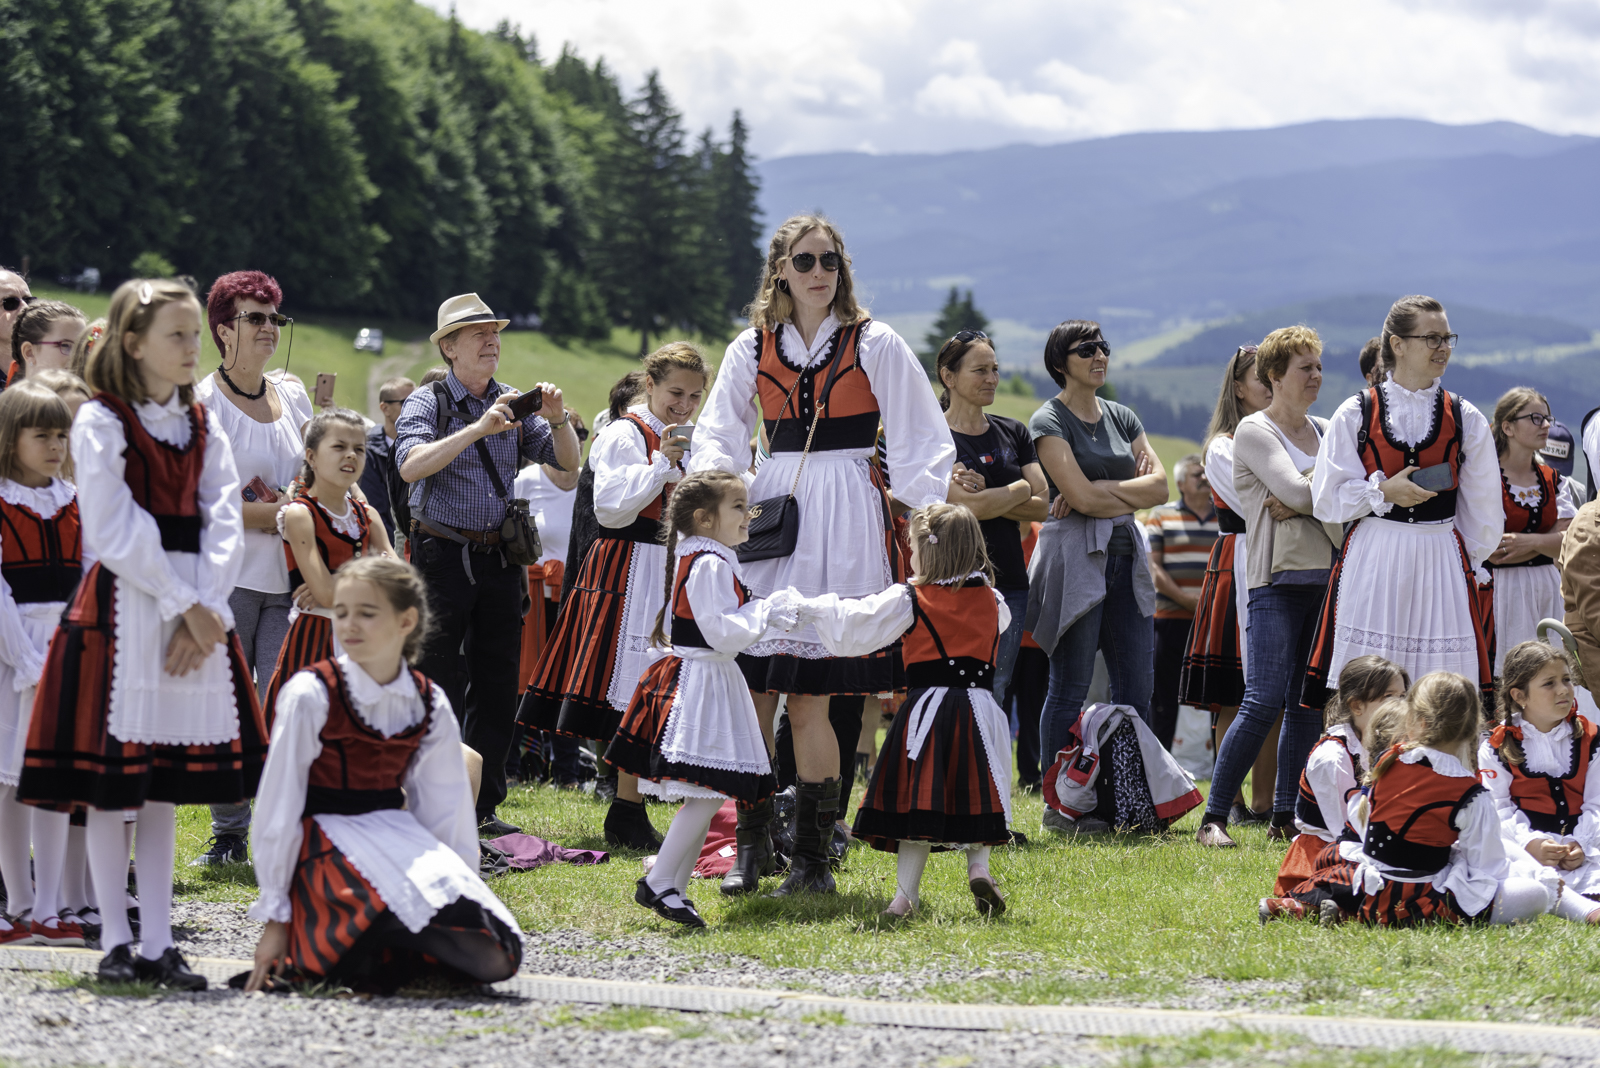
1522,665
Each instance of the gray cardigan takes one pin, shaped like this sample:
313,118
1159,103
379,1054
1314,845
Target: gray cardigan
1262,468
1067,576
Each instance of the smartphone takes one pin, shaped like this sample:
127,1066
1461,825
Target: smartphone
682,435
526,404
1437,478
323,398
258,492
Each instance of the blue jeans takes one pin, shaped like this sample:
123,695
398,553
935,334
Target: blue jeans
1128,640
1005,655
262,622
1283,622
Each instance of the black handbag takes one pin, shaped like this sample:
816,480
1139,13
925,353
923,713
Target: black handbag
775,522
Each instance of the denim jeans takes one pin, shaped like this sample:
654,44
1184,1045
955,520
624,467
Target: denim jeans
262,622
1115,628
1282,624
1005,655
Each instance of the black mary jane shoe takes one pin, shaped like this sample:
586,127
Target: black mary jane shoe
169,970
684,914
117,965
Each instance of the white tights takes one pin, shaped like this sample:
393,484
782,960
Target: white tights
16,821
912,858
157,844
1521,901
681,849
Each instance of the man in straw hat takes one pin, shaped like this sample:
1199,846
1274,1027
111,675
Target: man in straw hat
459,449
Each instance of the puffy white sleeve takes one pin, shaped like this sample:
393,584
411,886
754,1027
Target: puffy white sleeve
626,480
275,829
1005,610
726,625
438,793
1496,778
1331,778
1219,471
860,625
728,420
121,535
920,449
16,647
1481,851
1341,490
1480,509
222,523
1587,831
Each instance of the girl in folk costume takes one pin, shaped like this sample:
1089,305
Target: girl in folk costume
1537,764
41,560
146,702
324,527
365,835
1432,846
1334,771
825,376
943,777
1213,666
42,338
1527,582
1406,583
691,731
592,664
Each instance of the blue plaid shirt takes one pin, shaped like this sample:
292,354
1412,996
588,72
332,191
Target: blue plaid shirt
463,494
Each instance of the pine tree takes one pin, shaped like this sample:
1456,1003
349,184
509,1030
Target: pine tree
959,313
734,220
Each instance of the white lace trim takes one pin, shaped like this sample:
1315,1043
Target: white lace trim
1398,643
1446,764
791,647
167,422
348,524
1527,496
635,643
1380,507
695,543
1410,411
1546,752
44,501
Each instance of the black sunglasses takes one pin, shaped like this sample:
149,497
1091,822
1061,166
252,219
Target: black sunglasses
804,261
263,318
583,434
965,336
1087,349
13,303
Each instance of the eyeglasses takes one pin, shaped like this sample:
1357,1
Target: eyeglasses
1538,419
13,303
63,347
1087,349
259,319
392,400
583,434
966,336
1436,341
804,261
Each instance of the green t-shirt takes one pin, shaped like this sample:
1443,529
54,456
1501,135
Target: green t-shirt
1104,450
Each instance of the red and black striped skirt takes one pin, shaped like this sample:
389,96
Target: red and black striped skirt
309,640
947,796
1332,878
1213,671
568,691
1410,904
636,749
71,758
332,904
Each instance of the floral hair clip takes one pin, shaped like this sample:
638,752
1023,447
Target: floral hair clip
147,293
96,332
933,539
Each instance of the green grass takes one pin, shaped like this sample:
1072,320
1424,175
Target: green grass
1239,1046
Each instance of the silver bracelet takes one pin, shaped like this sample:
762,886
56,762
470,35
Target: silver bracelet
565,419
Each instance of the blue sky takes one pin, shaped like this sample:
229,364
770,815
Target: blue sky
941,75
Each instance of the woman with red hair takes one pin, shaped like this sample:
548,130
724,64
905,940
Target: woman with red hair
262,417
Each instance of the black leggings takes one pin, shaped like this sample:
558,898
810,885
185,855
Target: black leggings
466,941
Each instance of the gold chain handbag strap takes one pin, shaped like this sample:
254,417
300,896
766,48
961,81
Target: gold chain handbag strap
806,452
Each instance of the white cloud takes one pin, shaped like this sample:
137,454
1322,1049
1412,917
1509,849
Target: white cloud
932,75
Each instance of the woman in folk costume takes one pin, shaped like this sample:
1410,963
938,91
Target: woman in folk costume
365,835
1213,666
146,702
826,376
1406,584
691,732
1527,582
41,561
943,777
324,527
592,664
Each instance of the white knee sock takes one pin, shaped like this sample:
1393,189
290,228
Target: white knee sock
684,839
909,862
77,889
1571,905
978,858
49,863
108,868
16,831
154,853
1520,901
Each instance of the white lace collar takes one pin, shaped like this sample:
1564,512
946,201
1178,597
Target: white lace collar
694,543
643,412
1545,752
43,502
348,524
1447,764
1410,411
1347,731
964,578
167,422
819,342
387,708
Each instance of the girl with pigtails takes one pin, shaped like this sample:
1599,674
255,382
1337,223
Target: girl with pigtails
691,731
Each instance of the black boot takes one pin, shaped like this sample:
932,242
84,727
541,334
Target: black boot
809,868
754,857
628,827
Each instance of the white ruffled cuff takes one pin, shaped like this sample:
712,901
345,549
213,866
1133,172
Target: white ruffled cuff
271,907
1482,575
660,462
176,600
27,675
1375,481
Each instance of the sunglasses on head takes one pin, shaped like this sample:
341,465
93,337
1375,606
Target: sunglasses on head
13,303
1087,349
263,318
966,336
804,261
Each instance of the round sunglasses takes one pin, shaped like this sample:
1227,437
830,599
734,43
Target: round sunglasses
804,261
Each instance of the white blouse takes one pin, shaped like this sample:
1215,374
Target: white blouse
861,625
21,653
626,478
712,589
1342,491
551,508
1544,753
274,452
920,450
1332,778
438,794
1219,471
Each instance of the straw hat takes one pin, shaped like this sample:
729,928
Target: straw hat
459,311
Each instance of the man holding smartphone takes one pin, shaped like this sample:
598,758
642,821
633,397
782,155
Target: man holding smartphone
459,447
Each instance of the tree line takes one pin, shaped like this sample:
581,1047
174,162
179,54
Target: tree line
371,154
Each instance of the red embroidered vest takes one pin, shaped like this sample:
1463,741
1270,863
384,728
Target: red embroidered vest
1540,519
953,636
1553,805
335,547
646,527
165,479
850,414
42,559
1413,808
685,631
359,770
